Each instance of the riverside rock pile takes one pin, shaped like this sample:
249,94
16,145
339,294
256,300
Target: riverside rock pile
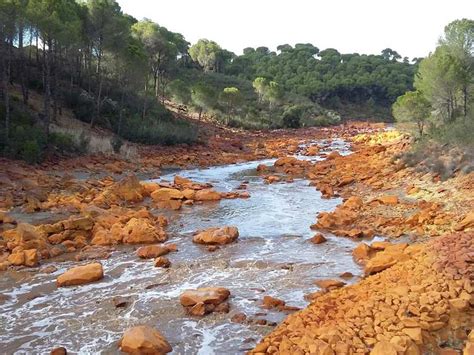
423,304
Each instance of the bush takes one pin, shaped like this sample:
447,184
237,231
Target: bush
292,116
63,142
159,132
116,142
30,152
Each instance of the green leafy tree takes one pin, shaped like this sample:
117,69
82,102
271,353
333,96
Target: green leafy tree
203,98
206,53
231,97
437,79
180,92
459,40
260,85
414,108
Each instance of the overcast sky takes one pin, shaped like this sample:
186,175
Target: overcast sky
411,27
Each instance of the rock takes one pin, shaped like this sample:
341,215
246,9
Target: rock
346,275
128,189
219,236
152,251
271,302
165,194
141,231
80,275
466,222
329,284
459,304
49,269
384,348
378,263
388,199
79,223
162,261
17,259
262,168
179,180
239,318
353,203
318,239
144,340
31,257
207,195
414,334
362,252
206,295
286,161
198,310
121,302
92,252
59,351
333,155
212,248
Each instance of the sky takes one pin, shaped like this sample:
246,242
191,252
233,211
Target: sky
411,27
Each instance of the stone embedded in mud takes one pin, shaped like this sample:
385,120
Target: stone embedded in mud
166,194
162,261
318,239
206,295
144,340
329,284
207,195
80,275
152,251
217,235
262,167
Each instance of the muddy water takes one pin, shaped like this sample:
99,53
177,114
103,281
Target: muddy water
272,257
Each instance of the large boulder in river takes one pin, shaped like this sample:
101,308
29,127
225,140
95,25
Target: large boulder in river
207,195
152,251
217,236
141,231
205,300
144,340
80,275
207,295
166,194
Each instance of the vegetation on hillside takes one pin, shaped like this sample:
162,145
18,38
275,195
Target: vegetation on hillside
442,105
116,72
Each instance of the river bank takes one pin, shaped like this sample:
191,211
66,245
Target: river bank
348,199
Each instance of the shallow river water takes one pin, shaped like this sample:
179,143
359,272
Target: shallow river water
272,257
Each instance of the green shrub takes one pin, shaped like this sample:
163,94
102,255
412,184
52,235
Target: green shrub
159,132
64,143
30,152
116,142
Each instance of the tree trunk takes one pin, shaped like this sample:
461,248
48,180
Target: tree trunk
21,64
4,73
99,91
47,89
145,99
122,97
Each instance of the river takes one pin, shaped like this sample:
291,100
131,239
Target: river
272,257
